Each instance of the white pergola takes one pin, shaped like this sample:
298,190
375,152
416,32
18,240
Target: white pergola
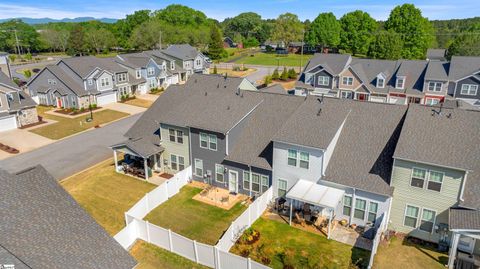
315,194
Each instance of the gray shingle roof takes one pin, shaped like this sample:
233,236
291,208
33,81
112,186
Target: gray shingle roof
334,62
142,146
44,227
6,81
458,146
262,126
277,88
462,66
181,51
369,69
436,54
133,60
464,219
437,70
71,83
85,65
414,71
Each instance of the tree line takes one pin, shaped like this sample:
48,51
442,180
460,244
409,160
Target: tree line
405,34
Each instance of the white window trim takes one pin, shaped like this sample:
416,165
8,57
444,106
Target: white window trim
383,82
243,180
470,86
321,82
343,204
177,162
402,78
424,180
208,141
195,168
354,206
435,84
138,73
172,65
417,217
278,185
368,210
427,99
297,157
420,218
347,93
152,71
428,180
348,79
216,173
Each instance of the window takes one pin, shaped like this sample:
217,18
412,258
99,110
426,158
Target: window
181,163
255,182
282,187
347,205
208,141
435,181
418,177
432,101
199,62
435,86
138,73
246,180
323,80
90,81
469,89
219,169
175,136
151,71
372,212
427,221
304,160
411,216
380,82
172,65
152,83
174,162
360,206
292,157
171,134
104,82
348,81
347,94
198,168
264,183
122,77
400,83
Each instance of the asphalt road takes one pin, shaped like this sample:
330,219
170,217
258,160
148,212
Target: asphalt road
72,155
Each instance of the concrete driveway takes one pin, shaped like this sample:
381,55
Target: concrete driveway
23,140
74,154
129,109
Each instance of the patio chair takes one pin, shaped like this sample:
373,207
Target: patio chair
300,220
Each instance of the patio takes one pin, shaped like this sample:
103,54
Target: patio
218,197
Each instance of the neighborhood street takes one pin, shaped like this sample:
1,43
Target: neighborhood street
74,154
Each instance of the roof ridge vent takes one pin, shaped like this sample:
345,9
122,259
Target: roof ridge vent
206,94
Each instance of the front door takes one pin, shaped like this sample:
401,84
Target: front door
232,181
59,102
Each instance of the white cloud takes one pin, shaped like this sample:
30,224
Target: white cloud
16,11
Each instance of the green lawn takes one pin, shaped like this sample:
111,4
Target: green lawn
68,126
274,59
408,255
281,245
194,219
151,257
106,195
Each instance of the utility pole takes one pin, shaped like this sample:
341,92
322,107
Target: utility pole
301,57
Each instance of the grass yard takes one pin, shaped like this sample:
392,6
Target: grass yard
69,126
281,246
232,73
262,58
151,257
139,102
408,255
105,194
194,219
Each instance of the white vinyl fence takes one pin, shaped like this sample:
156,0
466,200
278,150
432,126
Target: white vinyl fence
376,240
245,220
216,257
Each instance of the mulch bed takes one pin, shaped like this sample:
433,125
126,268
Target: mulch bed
8,149
71,112
32,124
127,99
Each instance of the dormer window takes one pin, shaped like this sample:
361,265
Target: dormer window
122,77
400,83
348,81
138,73
380,82
150,71
172,65
90,82
435,86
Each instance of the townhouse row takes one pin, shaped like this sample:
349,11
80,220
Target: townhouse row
81,81
398,82
417,166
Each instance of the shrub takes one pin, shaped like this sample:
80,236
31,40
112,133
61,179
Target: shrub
275,75
122,98
94,106
292,74
267,80
215,71
127,96
284,75
27,73
82,109
236,68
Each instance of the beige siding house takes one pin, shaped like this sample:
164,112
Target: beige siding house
176,142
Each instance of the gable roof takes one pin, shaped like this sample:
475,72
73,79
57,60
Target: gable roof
334,62
277,88
7,82
414,73
463,219
437,70
44,227
420,140
133,60
436,54
181,51
369,69
85,65
66,79
463,66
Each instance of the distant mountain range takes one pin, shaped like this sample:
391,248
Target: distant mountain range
47,20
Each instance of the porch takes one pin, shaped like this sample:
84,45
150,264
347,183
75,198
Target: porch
465,243
218,197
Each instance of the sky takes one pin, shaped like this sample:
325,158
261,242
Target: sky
221,9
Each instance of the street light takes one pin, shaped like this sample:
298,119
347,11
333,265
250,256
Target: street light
90,106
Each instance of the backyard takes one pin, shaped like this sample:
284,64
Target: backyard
150,257
105,194
282,246
194,219
408,255
275,59
69,126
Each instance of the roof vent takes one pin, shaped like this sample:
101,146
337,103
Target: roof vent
228,107
320,100
218,85
205,93
195,80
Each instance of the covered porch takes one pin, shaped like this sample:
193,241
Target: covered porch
139,160
465,243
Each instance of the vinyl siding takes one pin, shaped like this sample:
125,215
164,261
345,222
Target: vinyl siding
323,74
209,157
174,147
348,73
469,80
3,102
476,250
405,194
443,91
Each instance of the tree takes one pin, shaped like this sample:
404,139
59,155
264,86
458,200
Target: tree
251,42
100,39
267,80
288,28
215,70
13,30
124,28
12,57
146,36
466,44
357,31
292,74
215,47
324,31
76,41
248,24
415,31
275,75
386,45
284,75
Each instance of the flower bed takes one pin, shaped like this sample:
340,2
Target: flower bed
74,111
8,149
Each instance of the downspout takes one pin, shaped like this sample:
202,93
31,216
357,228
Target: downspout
462,190
250,181
353,204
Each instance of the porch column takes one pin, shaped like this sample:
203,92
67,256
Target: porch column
155,166
291,210
115,159
146,168
453,249
329,223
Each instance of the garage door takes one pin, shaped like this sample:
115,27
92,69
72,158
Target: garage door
378,99
8,123
106,99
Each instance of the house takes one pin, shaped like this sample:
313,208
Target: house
228,43
188,58
436,178
436,54
4,64
398,82
44,227
79,82
296,47
17,109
